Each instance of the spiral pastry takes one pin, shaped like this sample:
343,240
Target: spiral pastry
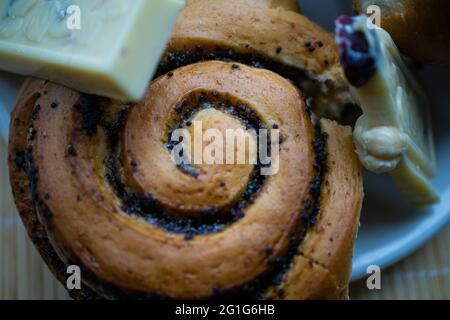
97,187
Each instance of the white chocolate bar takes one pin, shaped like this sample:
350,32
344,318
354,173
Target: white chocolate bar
103,47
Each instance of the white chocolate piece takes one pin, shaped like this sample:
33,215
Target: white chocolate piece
394,134
103,47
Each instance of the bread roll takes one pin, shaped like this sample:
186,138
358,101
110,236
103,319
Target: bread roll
96,185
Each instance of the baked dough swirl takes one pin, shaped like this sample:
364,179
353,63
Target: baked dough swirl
96,186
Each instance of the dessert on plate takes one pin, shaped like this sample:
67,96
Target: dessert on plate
96,184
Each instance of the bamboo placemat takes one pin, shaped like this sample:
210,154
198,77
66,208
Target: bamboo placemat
23,275
423,275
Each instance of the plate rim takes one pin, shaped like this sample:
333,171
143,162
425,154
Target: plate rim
410,242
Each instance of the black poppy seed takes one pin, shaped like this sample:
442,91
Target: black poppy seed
36,239
257,64
46,213
279,261
210,211
230,53
294,241
312,221
32,133
307,204
206,105
51,253
278,279
20,160
234,66
315,186
54,105
170,74
316,208
91,110
35,112
237,214
319,44
304,215
268,250
179,107
71,151
278,50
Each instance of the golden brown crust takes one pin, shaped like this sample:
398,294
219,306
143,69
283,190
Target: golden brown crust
270,29
341,205
321,270
77,162
282,36
63,181
19,130
284,4
421,29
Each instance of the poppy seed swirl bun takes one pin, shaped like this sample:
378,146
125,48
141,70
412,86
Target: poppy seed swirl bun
96,186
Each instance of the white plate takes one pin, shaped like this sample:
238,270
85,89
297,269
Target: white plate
390,228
